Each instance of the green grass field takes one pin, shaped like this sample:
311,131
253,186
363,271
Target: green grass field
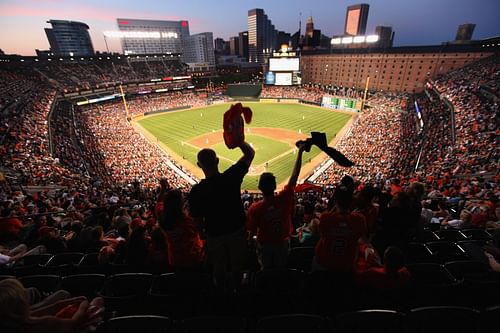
176,129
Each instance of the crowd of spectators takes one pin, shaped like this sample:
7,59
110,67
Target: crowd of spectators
109,202
151,103
117,153
70,75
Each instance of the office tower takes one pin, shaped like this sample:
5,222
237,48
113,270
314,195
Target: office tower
262,36
465,31
151,36
385,36
243,39
199,48
234,46
355,19
69,38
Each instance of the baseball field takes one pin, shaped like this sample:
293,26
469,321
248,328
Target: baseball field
274,129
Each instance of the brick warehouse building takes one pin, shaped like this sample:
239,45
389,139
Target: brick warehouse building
403,69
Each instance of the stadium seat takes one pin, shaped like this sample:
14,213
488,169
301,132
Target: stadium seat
477,234
221,324
133,324
369,321
178,294
4,277
488,319
418,253
426,236
278,290
431,284
69,258
444,251
468,269
123,292
439,319
44,283
320,287
450,235
301,258
83,284
37,259
292,323
279,281
89,259
128,284
430,274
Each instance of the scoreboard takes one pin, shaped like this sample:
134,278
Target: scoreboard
341,103
283,69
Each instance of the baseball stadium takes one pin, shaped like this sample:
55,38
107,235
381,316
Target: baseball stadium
363,193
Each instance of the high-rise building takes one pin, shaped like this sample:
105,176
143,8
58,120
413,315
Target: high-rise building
243,39
312,38
221,46
262,36
283,38
465,31
199,49
385,36
151,36
356,18
69,38
234,45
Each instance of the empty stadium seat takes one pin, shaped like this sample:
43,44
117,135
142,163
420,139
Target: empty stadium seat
37,259
444,251
301,258
369,321
418,253
44,283
477,234
426,236
220,324
450,235
83,284
292,323
142,323
439,319
468,269
69,258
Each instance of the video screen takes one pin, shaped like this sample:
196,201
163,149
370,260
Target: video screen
283,79
284,64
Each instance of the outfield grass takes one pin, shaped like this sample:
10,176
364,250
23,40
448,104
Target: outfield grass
174,129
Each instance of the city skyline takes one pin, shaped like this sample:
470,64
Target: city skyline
427,22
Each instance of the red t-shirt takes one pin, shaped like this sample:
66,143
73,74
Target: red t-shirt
271,219
11,226
338,243
376,277
185,248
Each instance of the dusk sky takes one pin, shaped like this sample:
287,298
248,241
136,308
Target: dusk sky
416,22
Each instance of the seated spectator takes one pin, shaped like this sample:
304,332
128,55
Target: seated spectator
308,235
9,257
494,264
391,275
64,316
465,221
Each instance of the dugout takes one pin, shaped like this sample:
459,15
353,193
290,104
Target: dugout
244,90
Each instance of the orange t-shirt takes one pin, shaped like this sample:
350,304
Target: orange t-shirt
338,243
271,219
185,247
